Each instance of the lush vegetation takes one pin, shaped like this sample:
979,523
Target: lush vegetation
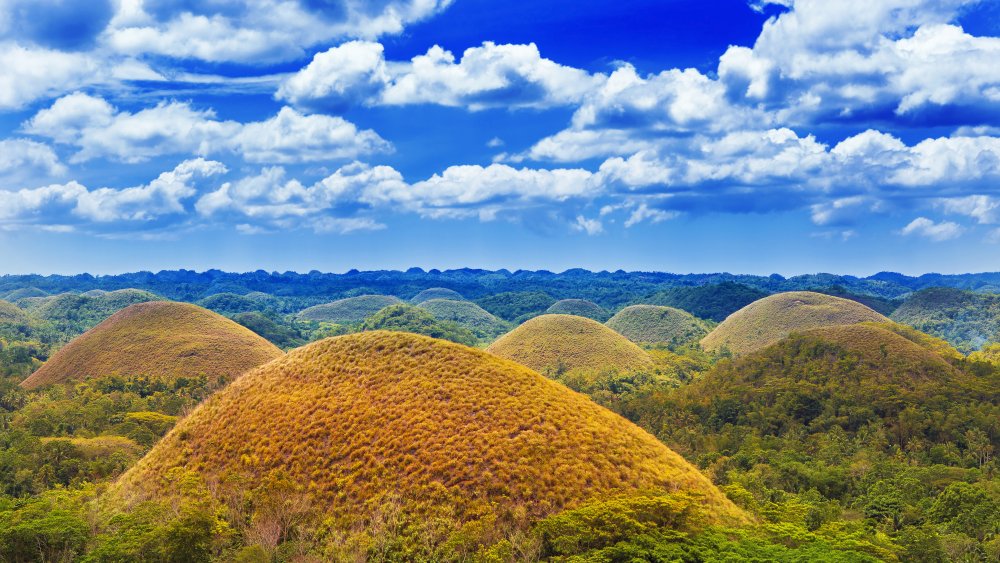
162,340
569,342
651,324
72,313
468,315
965,319
407,318
350,310
712,301
517,306
772,318
580,308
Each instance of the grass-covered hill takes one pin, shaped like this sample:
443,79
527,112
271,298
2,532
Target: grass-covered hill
349,310
409,318
233,304
580,308
772,318
440,438
11,314
517,306
161,340
24,293
714,301
652,324
72,313
966,319
436,293
468,315
568,342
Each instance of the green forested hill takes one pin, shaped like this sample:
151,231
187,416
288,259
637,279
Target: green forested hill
966,319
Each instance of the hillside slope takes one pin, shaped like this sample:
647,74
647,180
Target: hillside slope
549,342
651,324
159,339
580,308
966,319
438,427
772,318
349,310
466,314
436,293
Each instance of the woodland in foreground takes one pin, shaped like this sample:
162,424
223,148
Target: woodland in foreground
865,430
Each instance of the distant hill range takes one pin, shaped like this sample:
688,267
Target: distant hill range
611,290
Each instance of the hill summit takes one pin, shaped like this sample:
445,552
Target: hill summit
774,317
159,339
549,342
350,309
441,428
652,324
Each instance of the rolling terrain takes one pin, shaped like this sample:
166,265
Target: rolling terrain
651,324
467,315
436,293
580,308
569,342
160,340
772,318
349,310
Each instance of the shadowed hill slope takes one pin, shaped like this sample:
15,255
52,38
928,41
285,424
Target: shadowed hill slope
846,375
966,319
350,310
772,318
547,342
580,308
441,427
436,293
650,324
711,301
466,314
159,339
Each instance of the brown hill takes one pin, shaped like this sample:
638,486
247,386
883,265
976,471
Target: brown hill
774,317
439,427
544,343
158,339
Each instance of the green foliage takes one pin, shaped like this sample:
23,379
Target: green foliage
407,318
651,324
517,306
712,301
580,308
965,319
50,527
349,310
467,315
284,335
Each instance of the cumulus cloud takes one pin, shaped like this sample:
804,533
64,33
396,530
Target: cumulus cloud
74,203
23,161
100,130
589,226
255,31
510,76
938,232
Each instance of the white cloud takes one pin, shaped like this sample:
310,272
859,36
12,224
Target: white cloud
255,31
922,226
30,73
99,130
72,201
590,226
983,208
510,76
644,213
23,161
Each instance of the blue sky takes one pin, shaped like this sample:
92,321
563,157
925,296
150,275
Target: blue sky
788,136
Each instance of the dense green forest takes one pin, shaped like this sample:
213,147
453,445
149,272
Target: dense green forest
876,443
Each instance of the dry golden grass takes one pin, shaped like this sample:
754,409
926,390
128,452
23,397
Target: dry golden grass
349,310
158,339
439,426
774,317
547,342
653,324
